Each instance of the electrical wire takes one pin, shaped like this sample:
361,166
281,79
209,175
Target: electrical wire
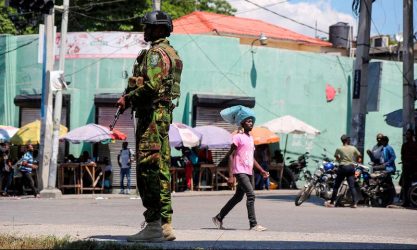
210,19
76,21
97,60
90,5
18,47
106,20
379,34
288,18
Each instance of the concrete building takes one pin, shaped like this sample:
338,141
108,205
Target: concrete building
218,72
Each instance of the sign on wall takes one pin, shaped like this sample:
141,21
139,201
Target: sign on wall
102,44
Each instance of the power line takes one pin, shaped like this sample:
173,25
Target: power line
379,34
18,47
136,16
106,20
98,60
288,18
95,4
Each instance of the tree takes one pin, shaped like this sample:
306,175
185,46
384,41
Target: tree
125,15
6,25
106,15
15,22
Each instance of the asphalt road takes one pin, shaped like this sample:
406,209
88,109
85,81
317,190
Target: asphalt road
311,225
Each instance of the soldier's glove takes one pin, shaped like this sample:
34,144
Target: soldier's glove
121,103
135,82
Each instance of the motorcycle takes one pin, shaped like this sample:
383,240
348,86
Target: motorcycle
322,181
373,185
295,171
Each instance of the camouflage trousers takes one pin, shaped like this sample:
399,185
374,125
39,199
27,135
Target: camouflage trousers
154,160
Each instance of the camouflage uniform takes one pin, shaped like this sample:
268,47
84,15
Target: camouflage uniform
155,83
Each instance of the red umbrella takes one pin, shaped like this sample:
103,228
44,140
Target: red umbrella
118,135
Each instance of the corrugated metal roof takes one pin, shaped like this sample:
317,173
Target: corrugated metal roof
200,22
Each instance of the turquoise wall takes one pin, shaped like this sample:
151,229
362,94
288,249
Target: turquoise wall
282,82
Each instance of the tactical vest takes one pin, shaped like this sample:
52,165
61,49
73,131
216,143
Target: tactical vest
170,89
171,83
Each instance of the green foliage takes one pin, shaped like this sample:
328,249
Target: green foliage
12,22
105,15
52,242
6,25
216,6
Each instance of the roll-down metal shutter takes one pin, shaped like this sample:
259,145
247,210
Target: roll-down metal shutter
111,150
206,111
211,116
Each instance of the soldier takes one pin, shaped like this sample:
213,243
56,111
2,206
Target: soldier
151,90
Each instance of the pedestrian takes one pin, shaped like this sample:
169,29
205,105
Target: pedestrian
409,170
388,165
346,156
263,157
278,157
8,176
388,156
190,158
152,89
124,158
85,157
241,163
376,153
28,164
107,169
4,156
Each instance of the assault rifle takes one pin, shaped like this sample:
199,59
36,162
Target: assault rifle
119,111
134,82
116,117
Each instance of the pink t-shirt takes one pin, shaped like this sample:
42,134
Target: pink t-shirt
243,158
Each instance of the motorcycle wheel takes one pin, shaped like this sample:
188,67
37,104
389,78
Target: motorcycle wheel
342,196
303,195
412,194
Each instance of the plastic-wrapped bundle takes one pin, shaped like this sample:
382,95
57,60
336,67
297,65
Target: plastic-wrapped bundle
237,114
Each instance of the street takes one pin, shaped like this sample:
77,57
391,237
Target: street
112,217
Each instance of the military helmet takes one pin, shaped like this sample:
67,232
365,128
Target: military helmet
158,18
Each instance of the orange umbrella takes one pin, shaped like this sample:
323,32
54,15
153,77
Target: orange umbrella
262,135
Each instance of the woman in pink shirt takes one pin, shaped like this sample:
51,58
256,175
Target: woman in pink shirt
241,163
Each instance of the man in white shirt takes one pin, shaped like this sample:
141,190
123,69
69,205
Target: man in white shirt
376,153
125,162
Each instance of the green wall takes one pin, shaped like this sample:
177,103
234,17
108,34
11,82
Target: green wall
282,82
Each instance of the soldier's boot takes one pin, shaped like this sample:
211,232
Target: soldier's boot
168,232
152,232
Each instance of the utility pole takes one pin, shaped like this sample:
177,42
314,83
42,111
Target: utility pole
46,105
408,67
52,191
156,4
360,84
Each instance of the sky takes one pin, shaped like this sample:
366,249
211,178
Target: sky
386,14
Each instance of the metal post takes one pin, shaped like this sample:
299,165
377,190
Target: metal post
53,192
408,67
360,86
156,4
46,109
